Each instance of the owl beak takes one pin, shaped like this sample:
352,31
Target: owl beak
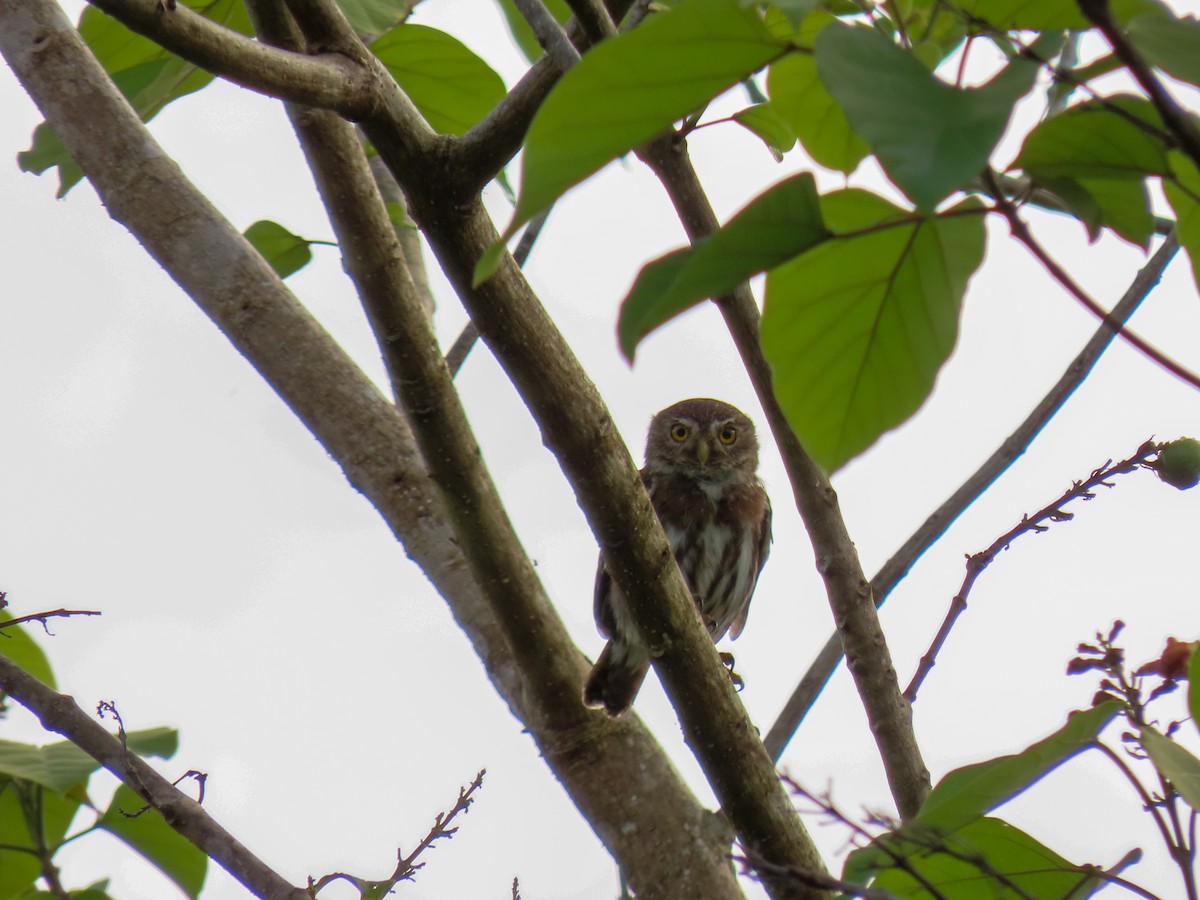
703,452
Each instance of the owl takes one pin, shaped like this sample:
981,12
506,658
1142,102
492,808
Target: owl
700,473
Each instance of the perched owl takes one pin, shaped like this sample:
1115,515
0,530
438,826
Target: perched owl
700,472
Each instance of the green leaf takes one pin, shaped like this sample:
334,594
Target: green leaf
797,92
1091,140
150,835
62,766
1183,193
930,137
856,328
1169,42
149,77
987,860
764,120
1174,763
774,227
19,870
1031,15
1120,204
522,34
17,645
633,86
371,18
286,252
968,793
1193,679
451,86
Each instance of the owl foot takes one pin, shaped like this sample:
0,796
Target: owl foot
727,661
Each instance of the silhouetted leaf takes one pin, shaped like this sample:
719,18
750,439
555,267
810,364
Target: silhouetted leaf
1092,140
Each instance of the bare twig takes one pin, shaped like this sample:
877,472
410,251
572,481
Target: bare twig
466,339
60,714
43,616
1036,523
886,579
407,866
813,879
1021,232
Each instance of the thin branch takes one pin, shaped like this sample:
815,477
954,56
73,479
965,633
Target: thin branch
1174,116
594,17
548,32
466,339
813,879
1054,511
1013,447
327,80
60,714
837,560
1021,232
43,616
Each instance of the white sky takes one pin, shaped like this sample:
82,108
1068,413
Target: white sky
257,603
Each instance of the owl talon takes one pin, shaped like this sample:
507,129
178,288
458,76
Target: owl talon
727,661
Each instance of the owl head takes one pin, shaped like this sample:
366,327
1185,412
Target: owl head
702,438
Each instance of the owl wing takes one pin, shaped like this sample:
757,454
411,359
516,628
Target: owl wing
762,549
602,593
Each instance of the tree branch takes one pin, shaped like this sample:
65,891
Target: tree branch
1180,123
1013,447
846,586
368,437
61,714
328,80
1053,512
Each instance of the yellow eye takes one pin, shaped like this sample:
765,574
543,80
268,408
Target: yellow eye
728,434
679,432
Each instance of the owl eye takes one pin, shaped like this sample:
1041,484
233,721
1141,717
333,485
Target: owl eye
728,434
679,432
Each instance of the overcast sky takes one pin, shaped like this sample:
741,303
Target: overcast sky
253,600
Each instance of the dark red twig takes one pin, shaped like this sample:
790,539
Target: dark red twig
1038,522
43,616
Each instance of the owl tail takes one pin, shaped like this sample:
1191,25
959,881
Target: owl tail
615,679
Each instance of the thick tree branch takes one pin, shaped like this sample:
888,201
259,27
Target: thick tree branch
846,586
328,80
578,429
62,715
1013,447
361,429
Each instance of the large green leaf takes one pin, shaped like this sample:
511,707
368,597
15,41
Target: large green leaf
62,766
797,92
1093,140
1193,678
1174,763
522,34
630,88
857,328
451,86
1169,42
779,224
930,137
987,860
968,793
17,645
149,834
1183,193
149,77
373,17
